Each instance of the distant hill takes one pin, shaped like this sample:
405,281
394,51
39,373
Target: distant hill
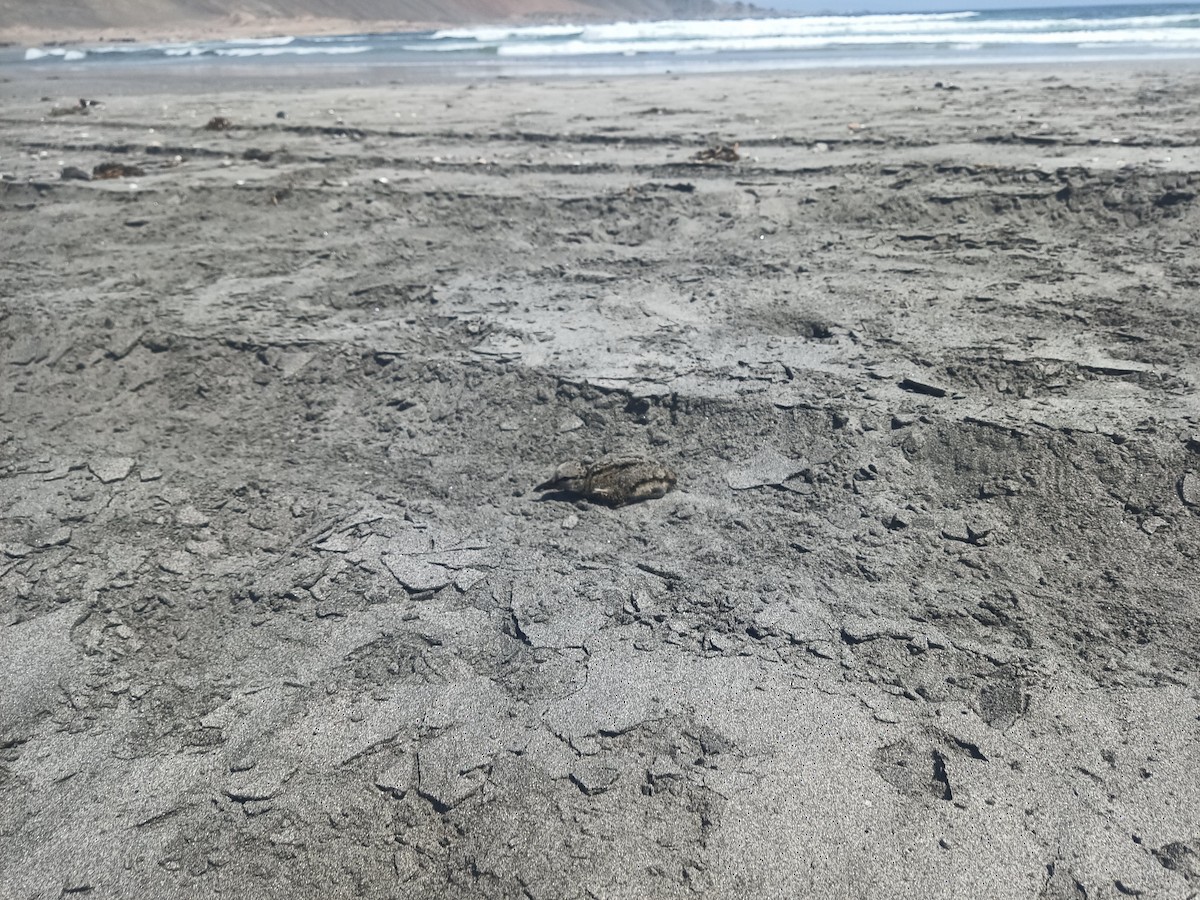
73,20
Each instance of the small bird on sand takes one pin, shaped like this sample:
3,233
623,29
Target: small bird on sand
614,480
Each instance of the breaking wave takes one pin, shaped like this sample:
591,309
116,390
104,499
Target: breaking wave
246,48
1136,31
961,30
963,39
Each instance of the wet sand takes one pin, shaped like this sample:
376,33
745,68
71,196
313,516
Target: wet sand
284,616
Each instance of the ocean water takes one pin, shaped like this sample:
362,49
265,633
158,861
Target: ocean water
1136,31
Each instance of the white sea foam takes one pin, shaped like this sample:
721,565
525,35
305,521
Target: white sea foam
280,41
196,50
132,48
492,34
965,30
775,43
62,53
697,27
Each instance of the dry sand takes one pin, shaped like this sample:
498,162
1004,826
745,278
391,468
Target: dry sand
283,616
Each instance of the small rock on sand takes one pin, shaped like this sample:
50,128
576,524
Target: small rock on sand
766,468
569,423
191,517
111,468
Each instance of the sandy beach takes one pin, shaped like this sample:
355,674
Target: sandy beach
283,615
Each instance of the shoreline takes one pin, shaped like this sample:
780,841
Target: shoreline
183,78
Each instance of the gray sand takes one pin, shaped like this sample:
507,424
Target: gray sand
283,616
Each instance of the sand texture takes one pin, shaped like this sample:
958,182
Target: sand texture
284,617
